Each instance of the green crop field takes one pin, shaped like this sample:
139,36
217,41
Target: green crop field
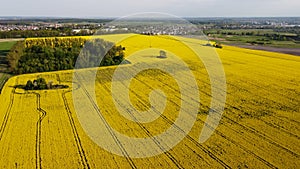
5,47
265,37
4,50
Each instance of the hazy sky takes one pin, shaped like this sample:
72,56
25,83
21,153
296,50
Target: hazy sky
116,8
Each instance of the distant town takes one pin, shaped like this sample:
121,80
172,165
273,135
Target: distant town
89,25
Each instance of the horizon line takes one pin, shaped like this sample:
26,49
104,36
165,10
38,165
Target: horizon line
115,17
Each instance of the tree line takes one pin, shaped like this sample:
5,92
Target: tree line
42,33
44,55
279,36
41,84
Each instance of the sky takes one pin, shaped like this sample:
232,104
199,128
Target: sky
182,8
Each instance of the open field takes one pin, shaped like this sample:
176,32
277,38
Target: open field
4,50
287,47
259,127
261,39
5,47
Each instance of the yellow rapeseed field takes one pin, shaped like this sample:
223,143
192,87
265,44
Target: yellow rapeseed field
259,127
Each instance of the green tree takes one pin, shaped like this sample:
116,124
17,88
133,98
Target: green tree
29,85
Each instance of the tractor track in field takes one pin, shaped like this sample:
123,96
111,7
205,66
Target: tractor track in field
292,120
167,153
266,90
282,129
267,123
7,113
188,137
263,98
256,132
223,136
234,142
281,118
269,67
252,130
84,161
117,141
259,133
42,114
263,136
241,147
148,133
219,133
81,152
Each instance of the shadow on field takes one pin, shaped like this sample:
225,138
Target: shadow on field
4,52
3,61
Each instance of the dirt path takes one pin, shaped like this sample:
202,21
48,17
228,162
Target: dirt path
9,40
